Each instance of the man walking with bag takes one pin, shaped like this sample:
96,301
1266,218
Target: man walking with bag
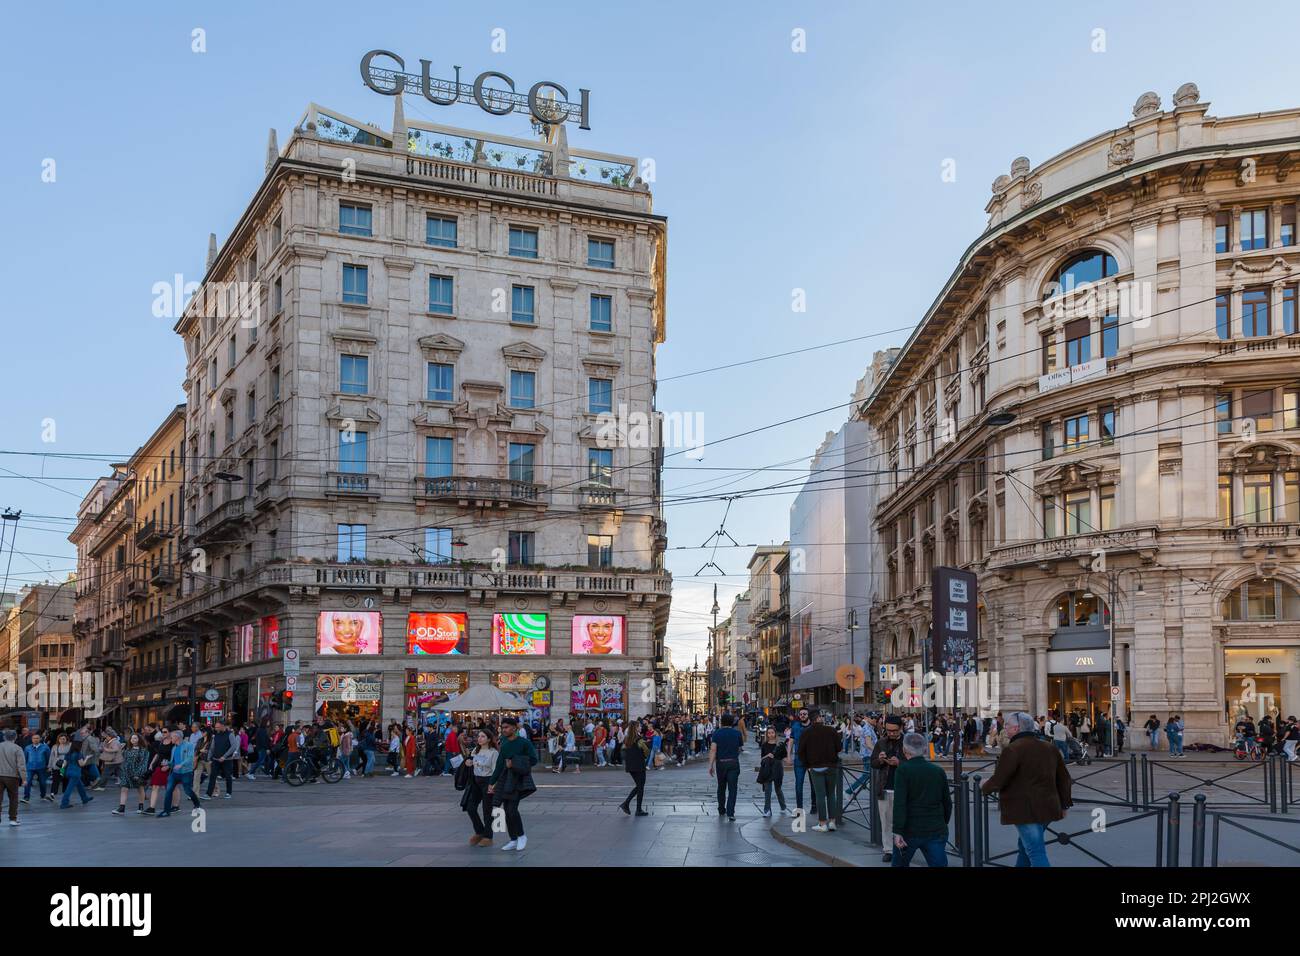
1033,788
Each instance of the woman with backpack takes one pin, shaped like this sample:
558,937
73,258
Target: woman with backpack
474,777
58,763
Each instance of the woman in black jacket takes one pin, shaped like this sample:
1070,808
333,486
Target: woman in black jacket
635,754
771,770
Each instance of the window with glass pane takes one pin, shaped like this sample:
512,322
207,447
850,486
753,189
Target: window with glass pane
600,395
1106,418
442,378
600,465
1110,336
1225,500
1091,266
1290,408
523,389
275,383
440,295
600,550
1049,352
1287,233
352,542
437,457
1261,599
1288,310
356,282
521,461
1106,498
1049,440
1049,516
1257,405
277,296
1257,489
1078,513
354,220
1223,315
354,374
1078,344
602,313
600,253
440,231
523,242
437,545
1291,495
1254,313
1223,413
1254,229
520,547
1221,222
352,450
522,305
1076,432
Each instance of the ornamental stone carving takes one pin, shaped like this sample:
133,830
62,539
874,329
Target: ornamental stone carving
1147,104
1121,152
1020,166
1032,194
1187,95
1000,184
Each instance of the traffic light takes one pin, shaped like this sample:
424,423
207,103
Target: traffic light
288,700
889,695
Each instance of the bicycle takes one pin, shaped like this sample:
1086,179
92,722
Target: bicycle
303,768
1247,747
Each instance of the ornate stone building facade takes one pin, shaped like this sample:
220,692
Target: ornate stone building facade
1106,394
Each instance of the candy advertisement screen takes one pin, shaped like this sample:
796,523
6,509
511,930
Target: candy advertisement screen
598,634
436,633
518,633
349,632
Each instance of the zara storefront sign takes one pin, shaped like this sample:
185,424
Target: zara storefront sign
540,101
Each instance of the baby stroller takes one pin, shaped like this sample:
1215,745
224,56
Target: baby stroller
1078,752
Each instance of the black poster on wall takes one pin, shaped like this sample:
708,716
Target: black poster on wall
954,627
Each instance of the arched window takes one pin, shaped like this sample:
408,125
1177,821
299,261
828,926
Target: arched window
911,642
1092,265
1261,599
893,648
1081,609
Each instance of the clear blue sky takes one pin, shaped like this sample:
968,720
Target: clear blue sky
777,170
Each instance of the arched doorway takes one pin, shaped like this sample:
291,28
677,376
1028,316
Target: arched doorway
1078,658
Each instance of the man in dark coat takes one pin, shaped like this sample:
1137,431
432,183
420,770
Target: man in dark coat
1033,787
885,758
922,807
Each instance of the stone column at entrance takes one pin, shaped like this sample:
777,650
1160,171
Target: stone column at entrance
1040,680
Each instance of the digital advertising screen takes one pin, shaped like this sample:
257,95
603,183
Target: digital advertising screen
349,632
518,633
429,632
598,634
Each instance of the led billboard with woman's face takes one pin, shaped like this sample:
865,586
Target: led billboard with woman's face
518,633
436,633
349,632
598,634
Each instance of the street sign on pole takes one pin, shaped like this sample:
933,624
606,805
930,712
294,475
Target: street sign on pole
291,682
291,663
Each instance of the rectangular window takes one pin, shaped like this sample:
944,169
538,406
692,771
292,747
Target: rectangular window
352,450
277,297
1290,408
1049,516
352,542
1110,336
520,547
440,295
356,282
1223,315
600,466
1049,440
1221,223
1257,405
600,550
602,313
521,461
1076,432
522,305
275,383
1078,513
277,232
1288,310
523,389
437,457
354,220
1291,495
354,374
523,242
273,466
600,253
252,406
442,379
440,231
1106,418
232,352
437,545
1258,491
1254,229
230,427
1225,500
1106,497
600,395
1078,344
1049,352
1223,413
1288,225
1254,313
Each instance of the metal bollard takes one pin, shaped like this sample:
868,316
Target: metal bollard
1198,831
978,835
1174,828
963,820
1270,784
839,795
1284,782
1130,782
875,839
1146,783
